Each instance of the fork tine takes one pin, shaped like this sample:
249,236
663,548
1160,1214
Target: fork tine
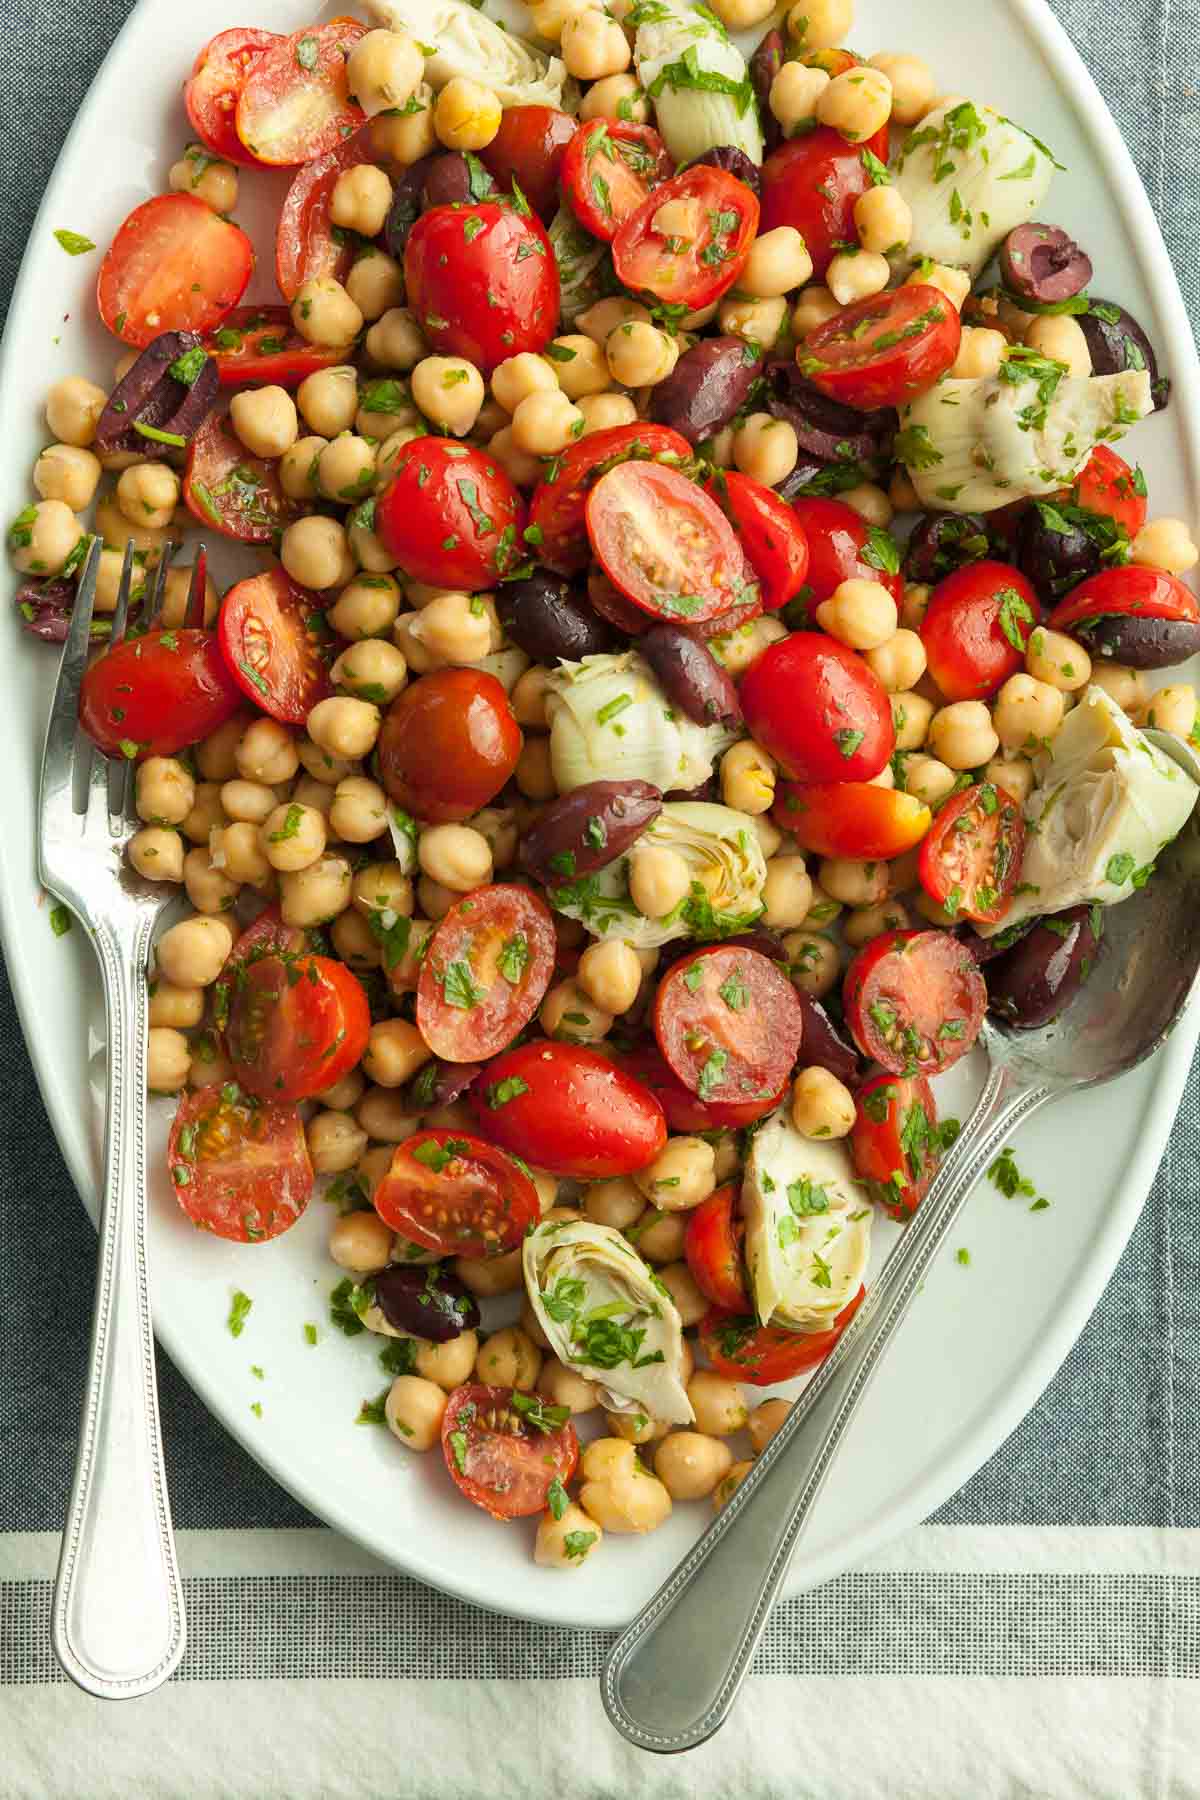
120,618
116,774
58,755
152,604
194,616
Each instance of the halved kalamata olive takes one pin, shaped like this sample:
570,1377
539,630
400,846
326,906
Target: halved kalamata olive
163,401
943,542
588,828
707,794
451,180
824,1045
734,162
812,476
429,1301
46,607
824,429
407,200
1041,262
760,938
1041,975
1056,550
986,950
765,65
1138,643
548,618
1117,343
439,1084
706,389
691,677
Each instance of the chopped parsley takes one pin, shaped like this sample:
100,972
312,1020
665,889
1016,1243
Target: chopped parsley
239,1312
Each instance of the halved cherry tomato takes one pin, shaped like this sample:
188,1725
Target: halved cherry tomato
666,544
174,265
227,488
977,628
843,547
740,1348
834,61
482,281
696,271
608,170
272,653
267,936
448,745
529,149
557,509
307,243
569,1110
713,1248
156,694
812,183
770,533
296,1025
914,1001
895,1142
295,104
819,710
259,344
505,1450
1131,592
486,967
971,861
1108,486
239,1166
456,1195
450,515
218,76
883,351
684,1111
851,818
728,1022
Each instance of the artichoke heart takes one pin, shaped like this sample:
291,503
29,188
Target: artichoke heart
970,177
608,1316
466,42
611,721
698,80
808,1227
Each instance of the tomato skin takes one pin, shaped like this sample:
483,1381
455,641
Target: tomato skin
579,1115
268,648
215,490
253,357
161,696
448,745
770,533
609,171
305,246
240,1167
292,110
173,261
837,537
558,506
741,1349
470,941
451,516
422,1196
807,698
971,860
296,1025
267,936
530,146
728,1023
914,982
968,649
892,1152
812,183
643,514
713,1251
865,357
1107,485
496,1459
1134,591
488,296
645,265
852,818
218,76
684,1112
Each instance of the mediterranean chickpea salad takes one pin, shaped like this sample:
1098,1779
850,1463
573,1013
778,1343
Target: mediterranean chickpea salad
695,666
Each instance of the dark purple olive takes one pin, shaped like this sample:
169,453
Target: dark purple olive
548,618
811,476
1041,262
707,794
764,941
1139,643
588,828
707,387
943,542
986,950
451,180
1040,976
439,1084
691,677
1117,343
45,608
824,1045
169,392
1056,549
765,65
430,1301
405,210
826,430
734,162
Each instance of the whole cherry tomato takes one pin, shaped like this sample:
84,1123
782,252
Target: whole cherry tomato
843,547
812,183
448,745
482,281
971,860
529,149
852,818
451,516
609,171
883,351
156,694
570,1109
557,509
770,532
819,710
695,272
895,1142
977,628
914,1001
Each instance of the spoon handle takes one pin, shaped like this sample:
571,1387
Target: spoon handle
671,1680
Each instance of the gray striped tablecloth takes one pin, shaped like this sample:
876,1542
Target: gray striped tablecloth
1035,1638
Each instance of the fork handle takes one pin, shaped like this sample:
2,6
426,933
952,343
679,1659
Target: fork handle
671,1680
118,1622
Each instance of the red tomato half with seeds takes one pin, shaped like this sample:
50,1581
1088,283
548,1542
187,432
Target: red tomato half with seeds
482,281
819,710
852,818
557,512
1108,486
296,1025
883,351
971,861
448,745
895,1142
295,104
451,516
505,1450
239,1166
812,183
728,1023
305,243
231,491
175,265
666,545
258,345
569,1110
609,170
218,76
914,1001
154,695
272,651
684,1111
843,547
529,149
977,628
267,936
690,272
769,531
486,968
741,1349
456,1195
713,1248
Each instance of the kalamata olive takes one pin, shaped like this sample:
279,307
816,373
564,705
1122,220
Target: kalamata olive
706,389
824,1045
691,677
450,180
1138,643
170,391
588,828
942,542
1040,976
765,65
439,1084
825,429
1043,263
427,1300
548,618
986,950
812,476
1117,343
760,938
707,794
46,607
1056,549
734,162
407,200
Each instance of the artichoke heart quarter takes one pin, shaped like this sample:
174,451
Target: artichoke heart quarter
808,1227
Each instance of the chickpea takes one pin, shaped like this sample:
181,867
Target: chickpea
681,1175
315,895
928,779
509,1359
534,772
335,1143
499,826
610,975
164,791
718,1404
528,699
962,734
867,922
787,893
883,219
466,115
67,473
1126,688
448,1364
266,752
237,850
1060,661
394,1053
299,465
862,614
770,839
563,1387
822,1106
659,1235
1173,709
314,551
980,353
1164,544
748,778
814,961
518,377
157,854
820,24
44,537
293,836
954,283
266,421
344,727
366,608
593,46
206,816
899,661
690,1465
356,943
345,1094
815,305
522,469
396,341
383,887
765,448
765,1421
870,503
359,811
414,1410
616,1202
856,104
1061,338
73,408
175,1008
449,391
346,469
148,494
328,400
628,1501
567,1013
486,1277
757,322
384,70
600,321
636,1427
383,1114
456,856
408,135
565,1542
777,263
193,953
854,883
857,276
616,97
795,94
659,879
545,423
168,1060
549,16
454,629
605,1457
1014,776
207,886
690,1303
1025,712
913,86
323,312
639,354
903,496
361,200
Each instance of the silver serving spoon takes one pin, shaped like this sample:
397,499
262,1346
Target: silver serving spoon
671,1680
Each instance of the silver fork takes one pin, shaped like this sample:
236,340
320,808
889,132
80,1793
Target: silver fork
118,1623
